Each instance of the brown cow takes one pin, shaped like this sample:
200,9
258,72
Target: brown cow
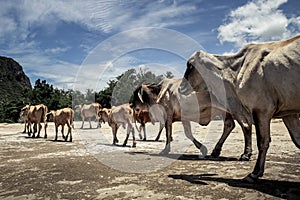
260,82
117,116
36,114
142,117
61,118
177,107
89,111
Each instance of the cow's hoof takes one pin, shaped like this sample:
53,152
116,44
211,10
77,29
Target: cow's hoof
134,145
251,178
245,157
144,139
203,150
164,152
215,153
124,145
140,136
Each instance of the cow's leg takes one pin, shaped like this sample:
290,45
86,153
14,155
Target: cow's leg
262,126
292,123
29,131
189,135
161,127
69,132
25,127
247,131
127,135
34,130
45,127
114,128
39,130
90,123
228,127
130,129
168,127
62,133
82,122
56,132
29,128
139,129
144,130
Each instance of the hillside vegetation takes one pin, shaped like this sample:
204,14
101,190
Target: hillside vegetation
16,91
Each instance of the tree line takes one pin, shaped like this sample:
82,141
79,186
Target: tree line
117,92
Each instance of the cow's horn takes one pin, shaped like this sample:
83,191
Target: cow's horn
140,97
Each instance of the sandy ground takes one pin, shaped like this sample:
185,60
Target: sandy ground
91,168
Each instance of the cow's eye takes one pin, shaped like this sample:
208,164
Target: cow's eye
190,66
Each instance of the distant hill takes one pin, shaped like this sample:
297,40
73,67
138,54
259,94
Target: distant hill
13,80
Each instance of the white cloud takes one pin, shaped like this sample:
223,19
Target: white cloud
57,50
258,20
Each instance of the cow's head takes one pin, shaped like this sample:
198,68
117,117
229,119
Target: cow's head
103,114
192,78
50,116
145,96
24,112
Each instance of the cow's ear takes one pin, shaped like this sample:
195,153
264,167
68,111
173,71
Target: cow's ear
162,94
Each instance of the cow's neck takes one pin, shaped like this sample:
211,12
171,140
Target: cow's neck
220,81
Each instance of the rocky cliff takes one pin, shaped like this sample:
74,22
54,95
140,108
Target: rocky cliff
13,80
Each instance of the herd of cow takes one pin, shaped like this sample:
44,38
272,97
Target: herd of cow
258,83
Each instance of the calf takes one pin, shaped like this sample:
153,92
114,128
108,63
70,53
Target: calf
61,118
142,117
117,116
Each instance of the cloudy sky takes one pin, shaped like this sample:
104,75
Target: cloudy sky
82,44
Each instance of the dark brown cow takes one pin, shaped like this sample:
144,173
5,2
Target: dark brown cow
142,117
260,82
165,96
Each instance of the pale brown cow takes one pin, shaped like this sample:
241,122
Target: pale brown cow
117,116
89,111
24,118
61,118
36,114
258,83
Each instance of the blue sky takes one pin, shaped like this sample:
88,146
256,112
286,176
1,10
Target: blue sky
82,44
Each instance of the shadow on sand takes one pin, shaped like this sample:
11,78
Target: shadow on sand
185,156
276,188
